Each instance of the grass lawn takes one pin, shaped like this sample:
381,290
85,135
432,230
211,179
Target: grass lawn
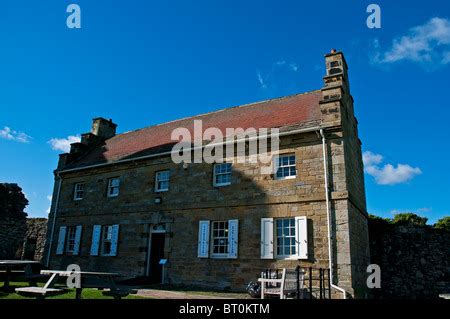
88,293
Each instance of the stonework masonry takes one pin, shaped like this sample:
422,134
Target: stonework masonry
12,219
12,232
250,197
34,241
414,261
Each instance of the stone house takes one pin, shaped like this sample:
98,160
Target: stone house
121,204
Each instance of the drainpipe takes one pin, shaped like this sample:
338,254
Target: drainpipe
54,221
327,196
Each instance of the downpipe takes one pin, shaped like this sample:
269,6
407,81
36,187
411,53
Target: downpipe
55,211
327,197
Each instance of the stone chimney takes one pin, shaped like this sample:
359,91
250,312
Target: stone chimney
103,128
336,89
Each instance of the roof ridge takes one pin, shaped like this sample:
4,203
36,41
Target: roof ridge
218,111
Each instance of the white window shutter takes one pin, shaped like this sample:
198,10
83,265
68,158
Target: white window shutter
96,232
301,234
233,232
266,238
76,248
61,240
203,239
114,240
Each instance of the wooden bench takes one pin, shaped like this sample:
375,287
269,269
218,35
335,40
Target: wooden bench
32,277
39,292
283,286
12,272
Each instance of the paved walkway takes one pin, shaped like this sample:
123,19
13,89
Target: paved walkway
168,294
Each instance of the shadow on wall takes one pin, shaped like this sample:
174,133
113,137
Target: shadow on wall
192,197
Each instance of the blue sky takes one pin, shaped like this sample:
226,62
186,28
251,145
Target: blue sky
142,63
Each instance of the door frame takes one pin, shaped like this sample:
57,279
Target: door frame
149,245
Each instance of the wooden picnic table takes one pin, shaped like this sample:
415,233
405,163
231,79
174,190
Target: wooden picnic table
8,265
106,276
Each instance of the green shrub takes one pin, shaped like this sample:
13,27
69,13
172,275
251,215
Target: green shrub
409,219
443,223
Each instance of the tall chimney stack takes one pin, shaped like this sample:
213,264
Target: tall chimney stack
103,128
336,90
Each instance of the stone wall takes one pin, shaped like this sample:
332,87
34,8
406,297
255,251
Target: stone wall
250,197
12,220
191,198
34,242
414,260
12,232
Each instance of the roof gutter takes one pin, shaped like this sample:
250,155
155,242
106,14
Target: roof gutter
327,197
55,211
305,130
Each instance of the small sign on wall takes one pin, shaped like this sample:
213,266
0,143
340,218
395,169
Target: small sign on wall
163,261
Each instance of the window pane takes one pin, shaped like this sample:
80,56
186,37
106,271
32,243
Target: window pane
292,160
292,233
115,182
285,237
293,171
220,237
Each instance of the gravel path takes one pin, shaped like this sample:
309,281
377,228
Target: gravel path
167,294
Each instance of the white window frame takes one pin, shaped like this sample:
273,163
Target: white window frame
215,174
112,187
224,238
106,237
70,239
278,166
161,180
78,189
292,237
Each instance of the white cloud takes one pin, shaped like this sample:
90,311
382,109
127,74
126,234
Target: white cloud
9,134
261,81
428,43
388,174
49,197
267,79
371,159
294,67
63,144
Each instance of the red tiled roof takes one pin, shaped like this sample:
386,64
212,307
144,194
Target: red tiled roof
275,113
